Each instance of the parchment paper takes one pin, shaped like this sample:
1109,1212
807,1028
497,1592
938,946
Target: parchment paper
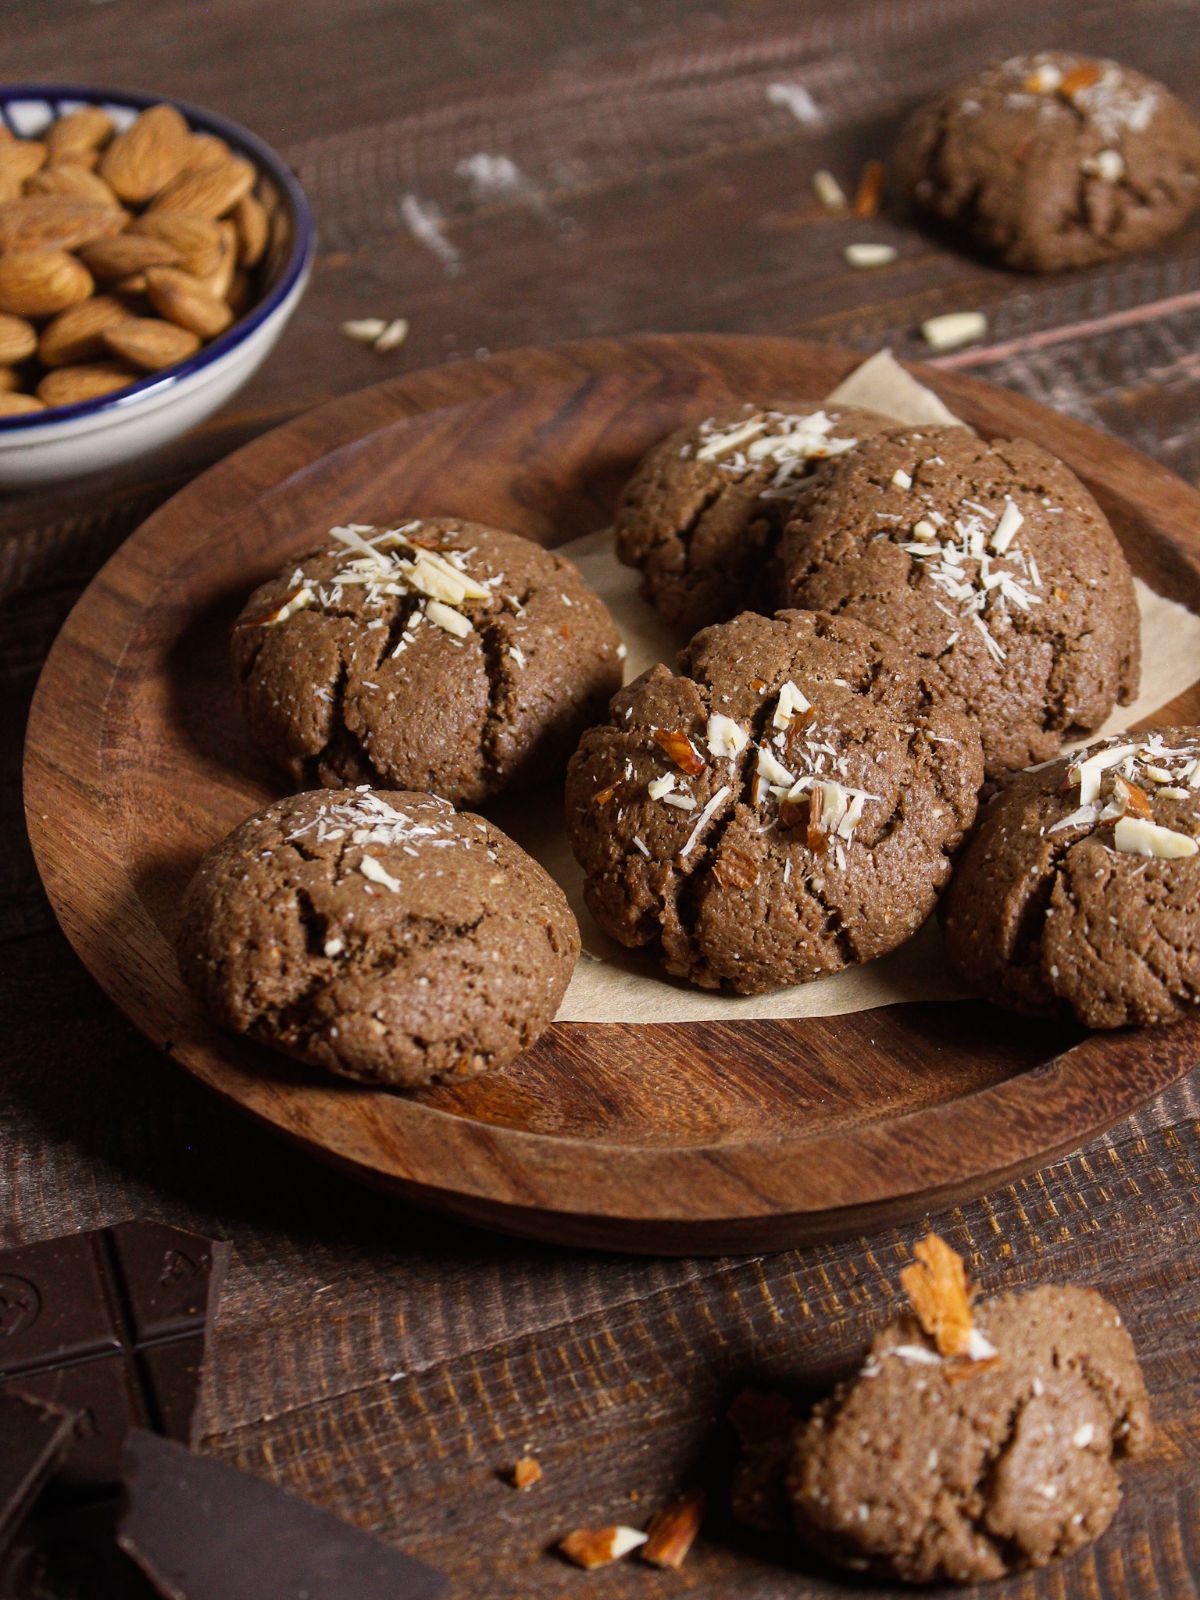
612,984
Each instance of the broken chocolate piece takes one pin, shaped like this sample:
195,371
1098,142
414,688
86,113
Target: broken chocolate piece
201,1530
109,1325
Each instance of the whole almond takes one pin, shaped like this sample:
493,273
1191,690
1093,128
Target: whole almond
68,385
72,178
19,405
208,193
55,222
185,301
10,381
77,334
148,343
18,339
126,253
241,293
206,150
143,159
78,133
250,220
218,280
37,283
19,159
197,240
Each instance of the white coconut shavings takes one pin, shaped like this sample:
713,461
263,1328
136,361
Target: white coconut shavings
705,818
796,99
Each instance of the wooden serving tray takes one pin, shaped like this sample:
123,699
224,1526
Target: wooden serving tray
700,1137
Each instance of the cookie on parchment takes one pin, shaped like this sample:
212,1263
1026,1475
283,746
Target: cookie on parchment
384,936
783,806
702,515
1053,160
965,1458
1080,889
439,655
991,560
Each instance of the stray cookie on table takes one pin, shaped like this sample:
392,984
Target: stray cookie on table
1053,160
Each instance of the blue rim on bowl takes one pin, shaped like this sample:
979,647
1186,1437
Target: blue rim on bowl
71,95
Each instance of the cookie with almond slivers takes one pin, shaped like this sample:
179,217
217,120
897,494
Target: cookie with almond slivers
437,654
1080,889
783,806
383,936
702,515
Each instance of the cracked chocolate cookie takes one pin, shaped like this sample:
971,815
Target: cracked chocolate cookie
1080,888
784,806
702,515
386,937
437,655
1053,160
931,1467
991,560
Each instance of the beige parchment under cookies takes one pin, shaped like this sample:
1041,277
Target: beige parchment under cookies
611,984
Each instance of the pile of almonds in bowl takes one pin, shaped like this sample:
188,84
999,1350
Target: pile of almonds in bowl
121,253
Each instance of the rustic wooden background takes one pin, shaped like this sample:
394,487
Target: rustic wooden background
384,1364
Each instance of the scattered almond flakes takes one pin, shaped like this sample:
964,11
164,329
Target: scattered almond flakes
734,869
936,1284
672,1532
677,747
954,329
1081,77
867,255
603,796
1133,797
828,191
526,1472
596,1547
870,190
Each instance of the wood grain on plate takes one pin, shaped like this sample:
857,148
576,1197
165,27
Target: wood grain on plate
699,1137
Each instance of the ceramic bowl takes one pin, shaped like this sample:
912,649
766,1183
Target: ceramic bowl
69,441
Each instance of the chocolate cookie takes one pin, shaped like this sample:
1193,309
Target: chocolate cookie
782,808
702,515
1081,887
992,560
931,1468
1053,160
438,655
386,937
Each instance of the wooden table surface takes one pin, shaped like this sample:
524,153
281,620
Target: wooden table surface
384,1364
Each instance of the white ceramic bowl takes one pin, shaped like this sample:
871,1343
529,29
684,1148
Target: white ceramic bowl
69,441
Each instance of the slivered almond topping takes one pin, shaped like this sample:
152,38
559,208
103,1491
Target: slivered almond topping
596,1547
936,1284
725,737
828,191
1079,78
870,190
672,1532
1044,80
526,1472
792,703
1136,836
296,601
1134,799
677,747
603,796
734,869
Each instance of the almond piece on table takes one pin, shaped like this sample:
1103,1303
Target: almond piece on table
18,405
208,193
184,300
55,222
77,334
67,386
37,283
143,159
78,133
72,178
197,240
126,253
250,220
149,343
672,1532
18,339
19,159
596,1547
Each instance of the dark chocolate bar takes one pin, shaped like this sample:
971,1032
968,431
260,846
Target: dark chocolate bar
33,1435
201,1530
109,1325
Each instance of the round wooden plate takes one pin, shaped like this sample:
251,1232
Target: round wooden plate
699,1137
